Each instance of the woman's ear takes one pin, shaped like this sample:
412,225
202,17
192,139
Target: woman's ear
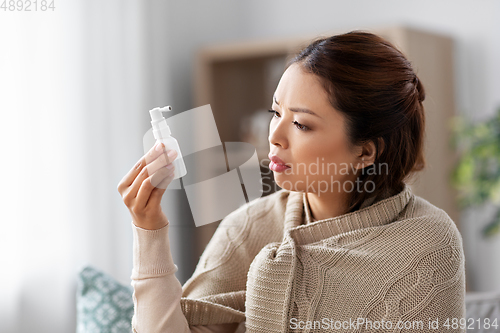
368,152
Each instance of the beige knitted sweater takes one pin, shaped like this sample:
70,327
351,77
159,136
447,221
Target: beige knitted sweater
396,263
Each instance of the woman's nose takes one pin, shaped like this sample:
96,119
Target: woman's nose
277,135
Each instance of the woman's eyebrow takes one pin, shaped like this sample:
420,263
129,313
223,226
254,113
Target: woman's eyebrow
298,109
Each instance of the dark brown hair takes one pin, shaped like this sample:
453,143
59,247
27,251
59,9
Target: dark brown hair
374,86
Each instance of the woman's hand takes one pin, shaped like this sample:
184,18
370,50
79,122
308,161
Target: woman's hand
143,186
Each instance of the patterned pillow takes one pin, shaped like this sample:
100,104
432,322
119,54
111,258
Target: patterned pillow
103,304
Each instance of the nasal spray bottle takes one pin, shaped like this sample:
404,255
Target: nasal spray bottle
161,132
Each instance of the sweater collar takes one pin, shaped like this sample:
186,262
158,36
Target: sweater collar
370,214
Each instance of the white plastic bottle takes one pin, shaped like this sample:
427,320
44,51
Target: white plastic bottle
161,132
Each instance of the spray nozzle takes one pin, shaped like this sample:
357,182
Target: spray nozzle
156,112
160,127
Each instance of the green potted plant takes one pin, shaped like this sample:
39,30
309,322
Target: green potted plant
477,173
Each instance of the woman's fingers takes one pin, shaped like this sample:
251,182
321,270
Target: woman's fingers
161,161
150,156
143,186
151,183
133,189
150,170
157,192
146,182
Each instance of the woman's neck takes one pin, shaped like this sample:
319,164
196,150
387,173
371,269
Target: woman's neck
326,206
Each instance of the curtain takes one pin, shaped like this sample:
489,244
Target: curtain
74,82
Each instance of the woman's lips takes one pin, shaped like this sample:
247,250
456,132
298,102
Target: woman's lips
277,164
277,167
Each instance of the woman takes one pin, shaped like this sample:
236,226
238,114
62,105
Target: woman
345,245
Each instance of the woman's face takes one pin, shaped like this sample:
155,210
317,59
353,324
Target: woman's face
312,143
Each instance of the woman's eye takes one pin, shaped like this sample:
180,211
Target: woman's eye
296,123
300,126
276,114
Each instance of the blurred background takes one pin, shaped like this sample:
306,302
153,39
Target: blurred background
78,77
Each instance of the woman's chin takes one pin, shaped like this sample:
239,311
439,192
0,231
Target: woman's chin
288,183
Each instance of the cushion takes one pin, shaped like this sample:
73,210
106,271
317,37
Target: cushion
103,304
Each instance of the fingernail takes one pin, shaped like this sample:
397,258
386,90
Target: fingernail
159,147
170,166
171,155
